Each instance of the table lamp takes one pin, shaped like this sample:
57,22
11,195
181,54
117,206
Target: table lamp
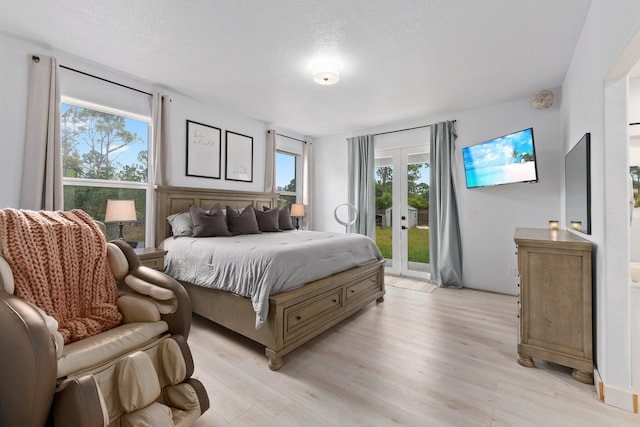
297,211
120,211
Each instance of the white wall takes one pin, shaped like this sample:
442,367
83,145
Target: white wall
13,86
488,216
13,112
183,109
608,29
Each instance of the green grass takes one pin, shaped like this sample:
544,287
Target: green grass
418,243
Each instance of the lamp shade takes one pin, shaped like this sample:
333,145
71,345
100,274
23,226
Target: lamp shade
297,210
120,210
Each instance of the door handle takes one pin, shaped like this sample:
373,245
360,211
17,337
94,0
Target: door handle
404,227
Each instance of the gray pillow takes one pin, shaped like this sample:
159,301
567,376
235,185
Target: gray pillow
208,224
181,224
284,218
268,220
242,223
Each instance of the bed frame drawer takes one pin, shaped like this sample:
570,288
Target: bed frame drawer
362,289
300,317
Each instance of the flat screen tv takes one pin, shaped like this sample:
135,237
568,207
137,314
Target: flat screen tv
504,160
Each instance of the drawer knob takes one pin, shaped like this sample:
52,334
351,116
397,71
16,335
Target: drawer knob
353,291
299,317
335,300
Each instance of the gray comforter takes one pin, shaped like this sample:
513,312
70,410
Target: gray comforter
257,265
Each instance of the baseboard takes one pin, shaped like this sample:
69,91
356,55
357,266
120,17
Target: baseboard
623,399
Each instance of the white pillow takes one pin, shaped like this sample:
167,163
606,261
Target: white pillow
181,224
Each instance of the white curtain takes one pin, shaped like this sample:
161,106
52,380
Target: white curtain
161,121
161,142
270,163
362,184
306,180
445,245
42,166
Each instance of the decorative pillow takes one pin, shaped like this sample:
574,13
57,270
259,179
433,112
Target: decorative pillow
242,223
208,224
181,224
268,220
284,218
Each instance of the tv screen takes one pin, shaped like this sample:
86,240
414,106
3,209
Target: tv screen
504,160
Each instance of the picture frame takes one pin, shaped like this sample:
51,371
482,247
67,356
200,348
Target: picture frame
238,157
204,150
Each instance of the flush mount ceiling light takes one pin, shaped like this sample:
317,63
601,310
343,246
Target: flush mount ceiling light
326,72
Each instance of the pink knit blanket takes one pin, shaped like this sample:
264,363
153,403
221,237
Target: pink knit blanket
59,263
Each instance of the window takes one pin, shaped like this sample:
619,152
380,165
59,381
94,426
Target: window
105,156
287,178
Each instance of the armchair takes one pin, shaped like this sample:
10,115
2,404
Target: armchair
137,373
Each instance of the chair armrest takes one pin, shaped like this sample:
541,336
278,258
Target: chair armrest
28,363
136,308
179,321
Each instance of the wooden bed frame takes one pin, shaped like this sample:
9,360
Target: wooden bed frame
295,316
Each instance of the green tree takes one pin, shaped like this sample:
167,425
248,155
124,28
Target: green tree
384,185
137,172
418,192
514,155
420,198
527,157
289,187
634,171
103,138
71,161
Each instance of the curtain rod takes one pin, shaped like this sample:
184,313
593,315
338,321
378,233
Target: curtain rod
105,80
402,130
290,137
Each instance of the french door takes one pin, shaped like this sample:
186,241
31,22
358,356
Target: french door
402,210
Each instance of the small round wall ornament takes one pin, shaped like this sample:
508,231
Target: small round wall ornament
542,100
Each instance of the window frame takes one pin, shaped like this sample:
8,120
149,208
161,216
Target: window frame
91,182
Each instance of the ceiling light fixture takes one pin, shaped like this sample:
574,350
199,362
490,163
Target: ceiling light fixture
326,72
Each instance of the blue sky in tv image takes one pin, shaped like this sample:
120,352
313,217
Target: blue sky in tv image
507,159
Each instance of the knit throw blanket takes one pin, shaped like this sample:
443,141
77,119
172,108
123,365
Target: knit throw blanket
59,263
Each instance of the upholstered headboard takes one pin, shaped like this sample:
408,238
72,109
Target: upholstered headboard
170,200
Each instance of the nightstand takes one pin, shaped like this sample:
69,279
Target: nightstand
151,257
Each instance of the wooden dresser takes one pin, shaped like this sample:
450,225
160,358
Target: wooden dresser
555,300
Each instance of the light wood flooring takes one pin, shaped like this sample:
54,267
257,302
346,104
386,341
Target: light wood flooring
446,358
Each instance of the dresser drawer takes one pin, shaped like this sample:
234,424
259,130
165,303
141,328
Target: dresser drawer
362,289
301,317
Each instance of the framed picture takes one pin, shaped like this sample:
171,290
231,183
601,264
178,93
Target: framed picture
238,157
203,150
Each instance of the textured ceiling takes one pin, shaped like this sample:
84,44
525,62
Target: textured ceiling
400,59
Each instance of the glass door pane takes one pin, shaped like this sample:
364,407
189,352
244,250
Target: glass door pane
417,220
384,205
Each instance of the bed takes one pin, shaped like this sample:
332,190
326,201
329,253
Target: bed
294,316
